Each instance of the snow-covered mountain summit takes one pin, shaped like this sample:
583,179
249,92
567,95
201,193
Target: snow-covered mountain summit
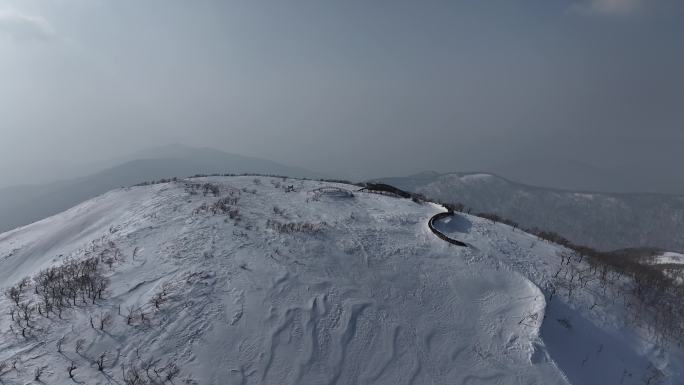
255,280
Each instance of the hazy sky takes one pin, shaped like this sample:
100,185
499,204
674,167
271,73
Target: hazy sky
351,87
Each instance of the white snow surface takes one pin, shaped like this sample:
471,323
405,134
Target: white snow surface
372,298
476,177
669,258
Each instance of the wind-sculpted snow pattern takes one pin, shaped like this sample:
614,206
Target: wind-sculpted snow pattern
588,329
272,287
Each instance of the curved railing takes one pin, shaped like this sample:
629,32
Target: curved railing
381,188
440,234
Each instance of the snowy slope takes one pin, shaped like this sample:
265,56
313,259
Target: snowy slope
296,287
600,220
587,329
669,258
21,205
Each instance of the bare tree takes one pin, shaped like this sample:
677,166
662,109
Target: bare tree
133,376
105,320
80,343
3,369
101,361
26,311
59,344
38,372
172,371
159,298
109,261
150,365
14,294
71,369
131,314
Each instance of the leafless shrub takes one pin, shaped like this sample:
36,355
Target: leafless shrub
296,227
133,376
100,361
497,218
148,371
278,211
4,369
71,369
106,320
210,188
131,314
225,205
149,365
206,188
59,344
153,182
134,313
26,311
80,344
192,188
38,372
204,207
14,294
158,299
172,371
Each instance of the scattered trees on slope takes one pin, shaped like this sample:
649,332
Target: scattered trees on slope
150,371
55,289
296,227
656,299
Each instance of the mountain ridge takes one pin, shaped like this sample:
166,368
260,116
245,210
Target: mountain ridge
600,220
21,205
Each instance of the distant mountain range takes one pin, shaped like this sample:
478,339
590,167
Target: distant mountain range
22,205
600,220
556,171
